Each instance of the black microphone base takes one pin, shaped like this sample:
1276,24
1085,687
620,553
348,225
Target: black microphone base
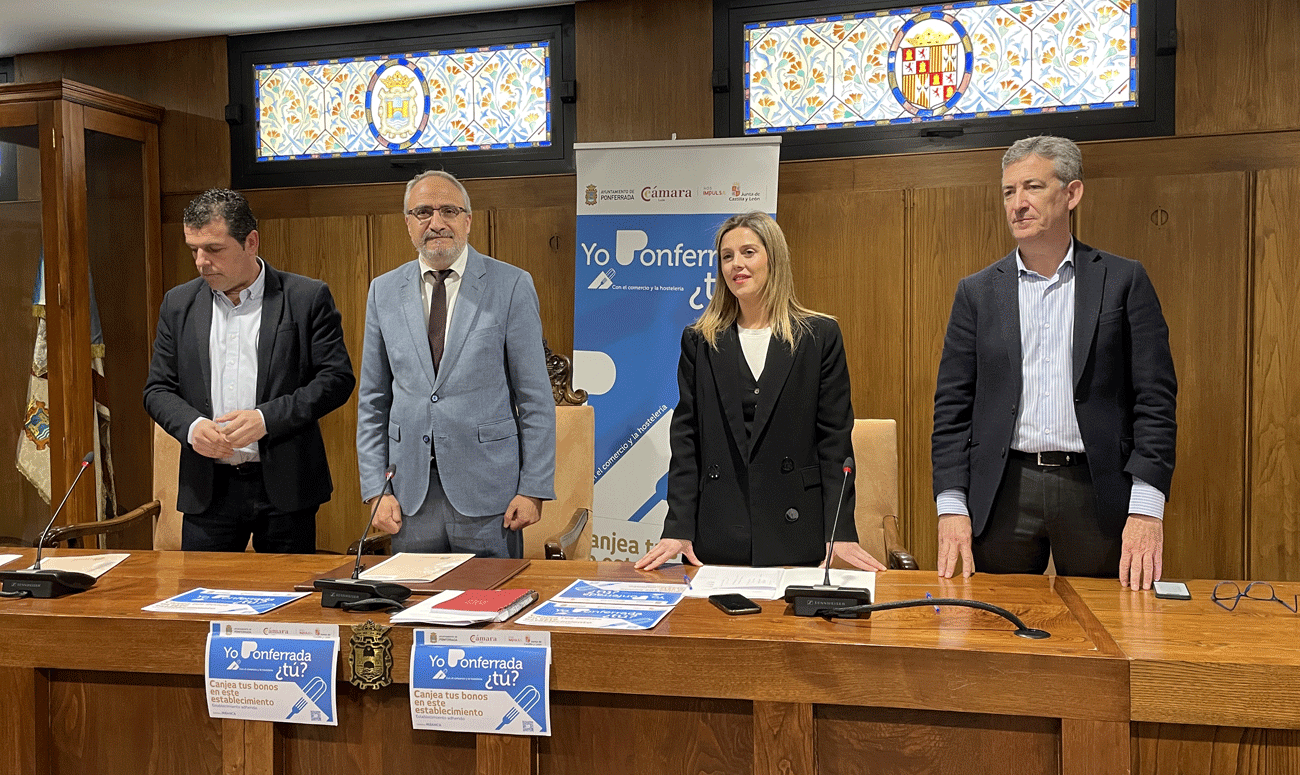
45,583
335,593
811,601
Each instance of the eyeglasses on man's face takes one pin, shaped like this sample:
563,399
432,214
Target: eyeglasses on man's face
426,212
1226,592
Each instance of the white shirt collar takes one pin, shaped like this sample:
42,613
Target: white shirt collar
457,267
1068,260
253,291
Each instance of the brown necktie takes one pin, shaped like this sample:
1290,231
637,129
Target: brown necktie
438,315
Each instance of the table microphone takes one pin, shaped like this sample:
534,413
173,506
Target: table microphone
810,601
356,593
34,582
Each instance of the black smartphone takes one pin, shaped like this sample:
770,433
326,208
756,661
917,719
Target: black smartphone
735,605
1172,590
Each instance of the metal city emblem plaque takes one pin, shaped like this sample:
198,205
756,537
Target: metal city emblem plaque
370,656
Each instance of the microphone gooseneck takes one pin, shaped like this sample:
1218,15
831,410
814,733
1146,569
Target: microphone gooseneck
388,486
40,545
830,545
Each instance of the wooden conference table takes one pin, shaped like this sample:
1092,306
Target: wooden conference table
90,683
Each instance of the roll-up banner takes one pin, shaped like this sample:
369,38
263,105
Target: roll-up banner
646,268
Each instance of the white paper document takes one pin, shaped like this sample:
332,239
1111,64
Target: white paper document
407,566
95,565
5,559
770,583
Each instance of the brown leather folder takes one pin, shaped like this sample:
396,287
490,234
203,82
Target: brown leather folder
474,573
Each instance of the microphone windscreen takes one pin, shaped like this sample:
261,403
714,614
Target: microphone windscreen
392,469
88,459
848,465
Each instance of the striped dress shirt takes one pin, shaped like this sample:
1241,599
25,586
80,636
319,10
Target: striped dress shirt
1046,421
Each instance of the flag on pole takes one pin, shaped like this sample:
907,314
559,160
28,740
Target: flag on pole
33,443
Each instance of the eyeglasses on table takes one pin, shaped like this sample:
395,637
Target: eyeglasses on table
1226,592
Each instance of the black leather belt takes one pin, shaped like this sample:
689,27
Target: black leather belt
1051,459
245,469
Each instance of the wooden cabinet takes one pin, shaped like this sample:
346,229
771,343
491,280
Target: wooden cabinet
87,199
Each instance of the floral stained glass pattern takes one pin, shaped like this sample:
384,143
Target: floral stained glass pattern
470,99
975,59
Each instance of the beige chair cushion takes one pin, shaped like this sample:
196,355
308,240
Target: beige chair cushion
166,465
875,453
575,455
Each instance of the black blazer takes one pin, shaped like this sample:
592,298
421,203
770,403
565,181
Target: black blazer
769,499
303,373
1124,385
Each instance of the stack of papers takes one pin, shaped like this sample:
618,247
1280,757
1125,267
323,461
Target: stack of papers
770,583
95,565
411,567
607,605
457,608
235,602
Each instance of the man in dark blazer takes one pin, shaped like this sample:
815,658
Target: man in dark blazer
1054,426
246,360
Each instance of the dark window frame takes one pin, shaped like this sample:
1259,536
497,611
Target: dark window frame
551,24
1153,117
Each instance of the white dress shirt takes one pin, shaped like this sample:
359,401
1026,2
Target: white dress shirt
452,283
232,354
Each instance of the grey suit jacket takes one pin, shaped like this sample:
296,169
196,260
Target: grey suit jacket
1124,385
303,373
488,415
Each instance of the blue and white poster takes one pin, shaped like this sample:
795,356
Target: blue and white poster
476,681
272,672
646,268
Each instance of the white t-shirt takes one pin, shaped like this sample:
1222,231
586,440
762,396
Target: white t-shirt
754,342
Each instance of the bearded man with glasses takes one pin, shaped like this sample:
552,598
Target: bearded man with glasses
454,390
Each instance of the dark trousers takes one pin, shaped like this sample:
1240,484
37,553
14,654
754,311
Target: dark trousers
1045,511
240,508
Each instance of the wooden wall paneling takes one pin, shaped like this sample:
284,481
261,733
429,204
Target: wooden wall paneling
110,722
20,231
375,735
1174,749
542,241
889,741
646,735
1089,747
951,232
386,198
1191,233
334,250
1228,58
187,77
1273,524
24,746
783,738
847,257
505,755
847,252
644,70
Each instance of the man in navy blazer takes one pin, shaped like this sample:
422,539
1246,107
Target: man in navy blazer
246,360
1054,427
454,390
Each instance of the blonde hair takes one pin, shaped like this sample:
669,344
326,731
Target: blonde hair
786,316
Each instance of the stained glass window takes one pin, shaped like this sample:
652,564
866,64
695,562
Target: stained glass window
965,60
469,99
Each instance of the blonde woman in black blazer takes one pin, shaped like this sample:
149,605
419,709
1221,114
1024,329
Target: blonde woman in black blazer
764,421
